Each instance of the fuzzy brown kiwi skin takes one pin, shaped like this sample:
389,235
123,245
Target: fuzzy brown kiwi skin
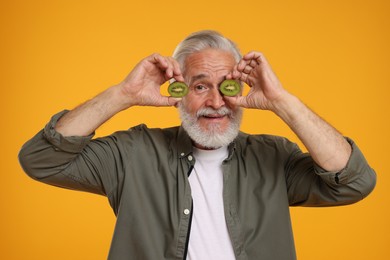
230,87
177,89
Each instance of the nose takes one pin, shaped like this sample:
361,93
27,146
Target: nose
215,99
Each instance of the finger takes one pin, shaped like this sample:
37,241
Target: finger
163,64
253,59
243,77
237,101
175,65
229,75
235,73
177,74
170,101
247,69
159,61
179,78
253,55
247,65
241,65
253,63
256,56
170,70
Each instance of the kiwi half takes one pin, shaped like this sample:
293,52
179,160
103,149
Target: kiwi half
177,89
230,87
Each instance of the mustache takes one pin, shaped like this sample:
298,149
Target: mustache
223,111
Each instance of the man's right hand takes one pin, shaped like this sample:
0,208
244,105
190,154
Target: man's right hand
140,88
142,85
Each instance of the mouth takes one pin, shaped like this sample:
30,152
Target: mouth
214,116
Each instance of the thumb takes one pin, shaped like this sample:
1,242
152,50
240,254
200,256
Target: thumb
171,101
237,101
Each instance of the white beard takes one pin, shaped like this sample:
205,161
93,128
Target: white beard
212,137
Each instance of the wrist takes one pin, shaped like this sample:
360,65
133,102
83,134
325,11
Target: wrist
288,107
122,97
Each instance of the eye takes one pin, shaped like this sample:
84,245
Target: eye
200,88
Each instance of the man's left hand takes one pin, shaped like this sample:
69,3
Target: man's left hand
265,88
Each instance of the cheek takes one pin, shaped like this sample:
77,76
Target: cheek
191,105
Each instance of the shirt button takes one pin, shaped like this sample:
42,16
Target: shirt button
186,211
189,157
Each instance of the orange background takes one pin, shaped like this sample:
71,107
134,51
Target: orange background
332,54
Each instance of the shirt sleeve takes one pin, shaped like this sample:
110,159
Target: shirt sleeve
75,162
310,185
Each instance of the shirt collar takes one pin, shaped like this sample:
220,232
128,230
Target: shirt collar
184,144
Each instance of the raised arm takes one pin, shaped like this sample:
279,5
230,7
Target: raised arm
62,154
326,145
141,87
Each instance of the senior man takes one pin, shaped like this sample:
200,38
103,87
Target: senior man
202,190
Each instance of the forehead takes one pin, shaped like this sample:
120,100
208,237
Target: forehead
208,63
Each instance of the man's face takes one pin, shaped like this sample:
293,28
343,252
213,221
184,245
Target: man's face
204,107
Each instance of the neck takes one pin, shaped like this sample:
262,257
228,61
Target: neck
204,147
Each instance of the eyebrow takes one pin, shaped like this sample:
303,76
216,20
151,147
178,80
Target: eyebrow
197,77
201,76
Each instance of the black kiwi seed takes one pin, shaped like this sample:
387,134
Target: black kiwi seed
230,87
177,89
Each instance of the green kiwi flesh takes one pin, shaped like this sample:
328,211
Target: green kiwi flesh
177,89
230,87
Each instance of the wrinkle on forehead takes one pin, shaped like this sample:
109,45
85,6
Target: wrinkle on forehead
208,63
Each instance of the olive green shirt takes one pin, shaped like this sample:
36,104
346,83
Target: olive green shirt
144,173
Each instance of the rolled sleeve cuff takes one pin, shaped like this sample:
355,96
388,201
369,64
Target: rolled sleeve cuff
71,144
357,173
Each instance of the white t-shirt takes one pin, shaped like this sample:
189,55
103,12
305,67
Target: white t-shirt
209,237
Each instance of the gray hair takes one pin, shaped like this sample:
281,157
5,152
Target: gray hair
201,40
